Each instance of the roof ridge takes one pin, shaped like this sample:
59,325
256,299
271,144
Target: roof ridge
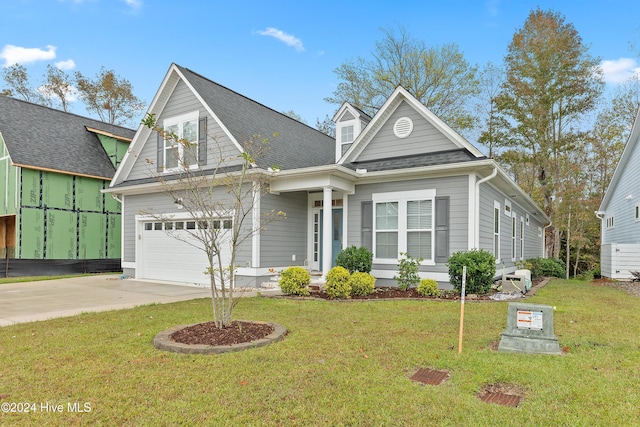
56,110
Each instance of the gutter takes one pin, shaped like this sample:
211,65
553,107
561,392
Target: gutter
477,206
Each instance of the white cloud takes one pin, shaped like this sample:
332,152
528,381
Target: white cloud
619,70
24,55
288,39
69,64
134,4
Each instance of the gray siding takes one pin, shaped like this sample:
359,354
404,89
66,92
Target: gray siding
425,138
532,239
455,187
622,207
284,237
182,101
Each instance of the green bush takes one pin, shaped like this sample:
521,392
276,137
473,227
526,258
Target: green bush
295,281
481,270
355,259
548,267
428,288
362,283
337,285
408,268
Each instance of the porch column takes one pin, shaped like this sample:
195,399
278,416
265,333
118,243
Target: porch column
327,229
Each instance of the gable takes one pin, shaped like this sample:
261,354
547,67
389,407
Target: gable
346,117
181,100
423,138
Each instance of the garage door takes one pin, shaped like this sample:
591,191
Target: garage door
170,253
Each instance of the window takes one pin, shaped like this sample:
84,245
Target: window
610,222
347,134
522,221
513,237
185,151
496,230
403,222
507,207
387,230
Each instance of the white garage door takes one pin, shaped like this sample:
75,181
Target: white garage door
170,253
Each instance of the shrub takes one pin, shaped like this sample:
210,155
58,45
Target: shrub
428,288
355,259
294,281
407,276
549,267
362,283
337,285
481,270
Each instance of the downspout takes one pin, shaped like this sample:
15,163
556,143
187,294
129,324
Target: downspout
477,207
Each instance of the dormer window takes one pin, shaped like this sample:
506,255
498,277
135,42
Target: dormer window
346,135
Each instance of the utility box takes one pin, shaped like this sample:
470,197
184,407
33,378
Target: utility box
529,330
520,281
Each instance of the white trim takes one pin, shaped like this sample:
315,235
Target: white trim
402,197
522,242
496,234
472,212
514,234
255,221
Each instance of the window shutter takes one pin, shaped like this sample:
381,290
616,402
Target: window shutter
160,153
366,221
442,229
202,141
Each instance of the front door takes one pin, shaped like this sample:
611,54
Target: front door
336,235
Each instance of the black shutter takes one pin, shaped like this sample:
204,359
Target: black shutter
366,221
160,154
442,229
202,141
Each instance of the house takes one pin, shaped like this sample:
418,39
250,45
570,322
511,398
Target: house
619,214
54,218
401,181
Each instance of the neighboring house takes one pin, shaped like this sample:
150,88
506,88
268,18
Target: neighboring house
619,213
401,181
53,216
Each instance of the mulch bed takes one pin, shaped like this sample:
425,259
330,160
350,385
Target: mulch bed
207,333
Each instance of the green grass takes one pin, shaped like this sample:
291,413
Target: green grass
343,363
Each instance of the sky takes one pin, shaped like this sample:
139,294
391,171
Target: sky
283,54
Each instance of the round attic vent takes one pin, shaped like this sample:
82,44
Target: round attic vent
403,127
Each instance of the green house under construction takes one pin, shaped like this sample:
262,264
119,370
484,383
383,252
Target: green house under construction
54,219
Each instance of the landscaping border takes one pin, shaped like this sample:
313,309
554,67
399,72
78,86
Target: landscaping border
162,341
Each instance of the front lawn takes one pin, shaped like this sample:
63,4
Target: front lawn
343,363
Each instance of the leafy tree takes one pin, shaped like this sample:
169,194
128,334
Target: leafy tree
109,96
59,85
439,77
19,86
222,200
551,84
294,116
326,126
491,125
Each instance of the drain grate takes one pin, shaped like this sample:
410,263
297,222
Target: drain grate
430,376
502,394
501,399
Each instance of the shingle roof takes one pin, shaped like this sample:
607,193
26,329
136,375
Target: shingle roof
404,162
44,138
296,146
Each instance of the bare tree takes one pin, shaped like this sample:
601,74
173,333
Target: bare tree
58,85
19,86
109,96
222,201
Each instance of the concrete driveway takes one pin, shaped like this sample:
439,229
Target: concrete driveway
31,301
